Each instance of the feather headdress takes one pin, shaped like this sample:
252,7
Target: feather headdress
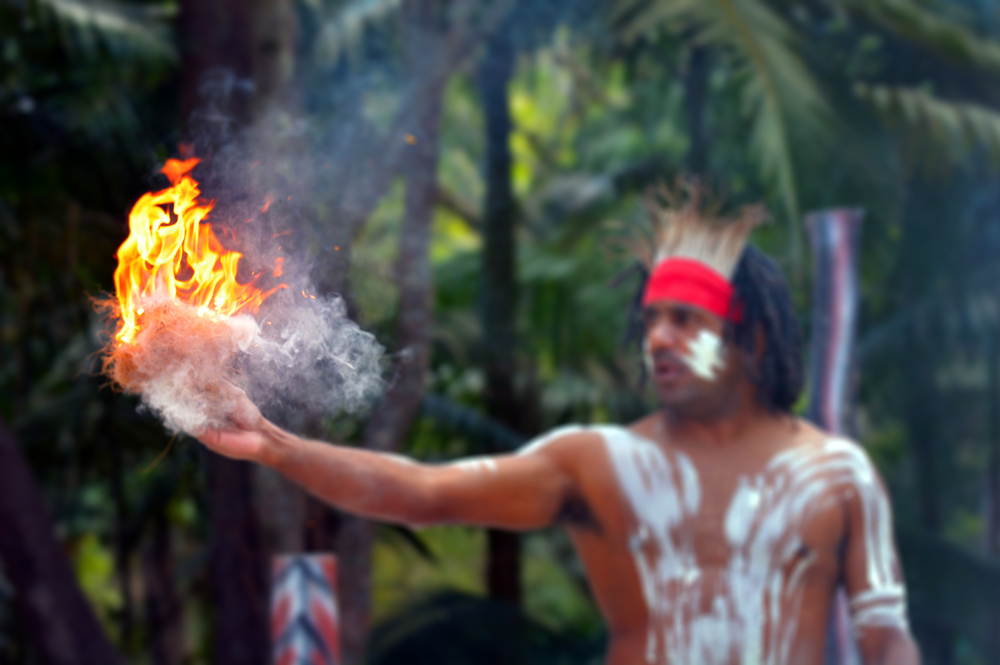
688,224
695,249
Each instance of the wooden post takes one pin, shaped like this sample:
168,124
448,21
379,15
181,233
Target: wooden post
305,623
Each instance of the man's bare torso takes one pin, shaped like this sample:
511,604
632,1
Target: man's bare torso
700,555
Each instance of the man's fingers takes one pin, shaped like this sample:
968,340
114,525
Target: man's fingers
209,437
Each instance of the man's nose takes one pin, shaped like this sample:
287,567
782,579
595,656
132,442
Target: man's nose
662,336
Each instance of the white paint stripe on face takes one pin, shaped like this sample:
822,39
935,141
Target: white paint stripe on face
705,355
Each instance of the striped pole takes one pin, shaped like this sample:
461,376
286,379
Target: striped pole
834,236
305,624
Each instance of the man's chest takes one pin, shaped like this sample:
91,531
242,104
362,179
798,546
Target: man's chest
734,560
743,523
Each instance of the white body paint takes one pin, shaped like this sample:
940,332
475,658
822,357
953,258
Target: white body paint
745,610
705,355
477,465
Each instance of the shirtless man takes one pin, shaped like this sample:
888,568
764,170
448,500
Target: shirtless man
713,531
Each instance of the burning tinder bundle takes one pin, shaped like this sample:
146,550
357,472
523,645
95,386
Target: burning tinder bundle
185,336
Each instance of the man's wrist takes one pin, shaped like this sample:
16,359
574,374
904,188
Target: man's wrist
277,446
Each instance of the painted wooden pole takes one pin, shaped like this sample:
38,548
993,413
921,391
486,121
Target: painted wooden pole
834,235
305,623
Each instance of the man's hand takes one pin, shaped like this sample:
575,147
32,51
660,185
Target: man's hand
246,439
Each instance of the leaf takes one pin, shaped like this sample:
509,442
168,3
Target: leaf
914,23
86,25
956,130
778,91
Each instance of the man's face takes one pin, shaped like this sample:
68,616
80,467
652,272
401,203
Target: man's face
694,371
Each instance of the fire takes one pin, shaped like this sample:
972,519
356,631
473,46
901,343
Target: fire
172,253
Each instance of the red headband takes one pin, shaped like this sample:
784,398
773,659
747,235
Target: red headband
691,282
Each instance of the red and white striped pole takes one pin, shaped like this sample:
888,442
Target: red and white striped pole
834,236
305,623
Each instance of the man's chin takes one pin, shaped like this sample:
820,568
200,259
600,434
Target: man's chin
675,395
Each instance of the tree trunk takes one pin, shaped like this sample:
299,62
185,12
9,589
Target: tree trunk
695,94
254,41
395,413
991,530
123,546
497,297
274,29
213,34
239,570
164,619
921,430
59,619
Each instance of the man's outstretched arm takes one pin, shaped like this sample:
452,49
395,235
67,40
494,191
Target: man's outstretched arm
510,491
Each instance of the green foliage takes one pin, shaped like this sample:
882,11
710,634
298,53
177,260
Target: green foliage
94,566
916,23
86,28
778,94
451,628
954,131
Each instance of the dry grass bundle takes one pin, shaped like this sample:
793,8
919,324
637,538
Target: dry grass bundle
182,363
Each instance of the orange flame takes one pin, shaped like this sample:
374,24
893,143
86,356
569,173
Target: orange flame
171,252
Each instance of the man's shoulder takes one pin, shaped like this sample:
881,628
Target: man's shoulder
575,439
837,454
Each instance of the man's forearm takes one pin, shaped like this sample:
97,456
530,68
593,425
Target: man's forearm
889,646
360,481
902,651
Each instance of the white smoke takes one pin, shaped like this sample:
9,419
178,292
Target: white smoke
188,368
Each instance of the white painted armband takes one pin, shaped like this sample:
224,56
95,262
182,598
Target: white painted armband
883,602
879,608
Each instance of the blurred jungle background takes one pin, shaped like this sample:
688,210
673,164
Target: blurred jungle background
464,175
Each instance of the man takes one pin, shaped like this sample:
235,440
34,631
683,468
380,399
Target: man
715,530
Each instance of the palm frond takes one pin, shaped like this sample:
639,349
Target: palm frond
779,92
86,25
916,24
957,130
341,31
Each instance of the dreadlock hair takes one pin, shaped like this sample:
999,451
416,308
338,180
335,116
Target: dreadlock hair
765,308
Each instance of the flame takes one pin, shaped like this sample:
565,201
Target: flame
172,252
